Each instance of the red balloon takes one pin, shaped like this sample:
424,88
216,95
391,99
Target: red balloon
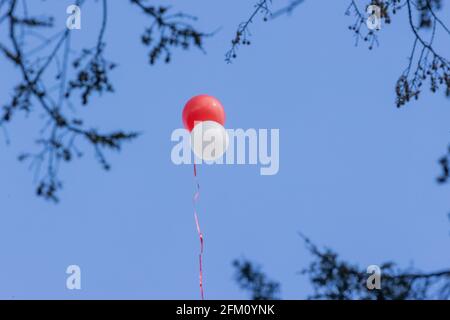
202,108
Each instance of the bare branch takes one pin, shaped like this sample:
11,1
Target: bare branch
60,132
172,31
263,8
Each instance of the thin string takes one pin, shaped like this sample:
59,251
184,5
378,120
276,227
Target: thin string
200,234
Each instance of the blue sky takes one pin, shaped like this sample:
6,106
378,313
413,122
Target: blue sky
356,173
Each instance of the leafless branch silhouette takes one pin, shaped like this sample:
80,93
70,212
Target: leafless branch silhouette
46,64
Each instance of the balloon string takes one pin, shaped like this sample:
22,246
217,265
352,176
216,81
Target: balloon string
200,234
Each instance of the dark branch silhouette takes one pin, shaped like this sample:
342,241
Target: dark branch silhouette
425,63
172,30
250,278
335,279
262,8
444,161
51,78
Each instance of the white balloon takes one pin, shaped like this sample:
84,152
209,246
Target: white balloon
209,140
